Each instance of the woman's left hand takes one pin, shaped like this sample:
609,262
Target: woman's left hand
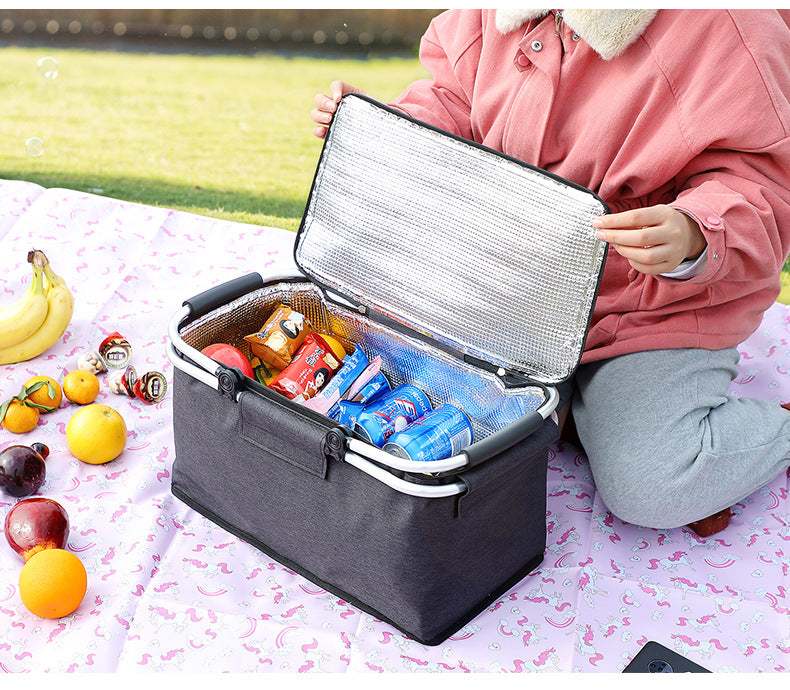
655,239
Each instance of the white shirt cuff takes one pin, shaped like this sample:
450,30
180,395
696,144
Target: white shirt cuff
690,268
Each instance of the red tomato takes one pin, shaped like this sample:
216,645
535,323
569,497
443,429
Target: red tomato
229,356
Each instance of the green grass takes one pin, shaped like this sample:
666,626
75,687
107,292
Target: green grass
227,136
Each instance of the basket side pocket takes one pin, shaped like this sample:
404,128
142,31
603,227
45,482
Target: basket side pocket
276,429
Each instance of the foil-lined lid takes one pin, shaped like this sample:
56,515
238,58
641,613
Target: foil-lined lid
492,257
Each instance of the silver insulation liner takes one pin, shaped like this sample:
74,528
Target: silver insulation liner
445,379
476,250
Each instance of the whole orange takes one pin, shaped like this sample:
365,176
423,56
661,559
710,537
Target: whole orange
52,583
49,394
81,386
335,345
20,418
96,434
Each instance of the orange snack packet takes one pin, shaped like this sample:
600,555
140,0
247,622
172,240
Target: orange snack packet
280,337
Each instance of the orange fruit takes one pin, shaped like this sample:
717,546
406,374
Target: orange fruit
53,583
20,418
81,386
49,397
335,345
96,434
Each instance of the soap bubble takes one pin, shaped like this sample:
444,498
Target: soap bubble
34,147
48,67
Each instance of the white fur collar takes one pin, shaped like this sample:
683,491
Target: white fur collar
607,32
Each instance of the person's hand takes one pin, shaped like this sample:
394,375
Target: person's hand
325,106
655,239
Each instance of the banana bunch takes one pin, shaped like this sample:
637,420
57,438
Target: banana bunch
35,322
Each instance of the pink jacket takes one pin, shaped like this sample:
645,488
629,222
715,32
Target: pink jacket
681,107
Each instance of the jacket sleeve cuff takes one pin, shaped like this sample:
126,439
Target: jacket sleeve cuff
710,261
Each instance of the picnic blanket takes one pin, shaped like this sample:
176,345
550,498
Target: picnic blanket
170,591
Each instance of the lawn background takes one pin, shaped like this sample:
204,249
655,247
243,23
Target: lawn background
221,135
216,134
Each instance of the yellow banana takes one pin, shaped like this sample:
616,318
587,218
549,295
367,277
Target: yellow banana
21,319
60,309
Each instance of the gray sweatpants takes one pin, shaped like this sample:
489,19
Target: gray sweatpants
666,445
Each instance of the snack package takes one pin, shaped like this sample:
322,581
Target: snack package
115,350
353,365
315,363
150,387
280,337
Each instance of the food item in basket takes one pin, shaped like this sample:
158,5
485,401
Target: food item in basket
229,356
362,380
336,346
53,583
96,434
392,412
377,386
437,435
356,391
353,366
262,372
60,307
35,524
22,469
346,412
115,350
280,337
151,387
81,386
311,369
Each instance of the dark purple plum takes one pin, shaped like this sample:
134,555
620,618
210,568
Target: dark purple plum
22,471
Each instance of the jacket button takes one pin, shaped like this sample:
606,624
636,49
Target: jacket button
576,37
536,46
522,60
713,221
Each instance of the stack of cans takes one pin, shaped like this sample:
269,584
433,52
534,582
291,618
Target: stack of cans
403,423
391,412
439,434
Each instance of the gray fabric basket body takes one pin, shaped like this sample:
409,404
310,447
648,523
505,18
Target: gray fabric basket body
427,566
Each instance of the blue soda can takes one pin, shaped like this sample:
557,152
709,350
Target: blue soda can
391,412
440,434
377,386
346,412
